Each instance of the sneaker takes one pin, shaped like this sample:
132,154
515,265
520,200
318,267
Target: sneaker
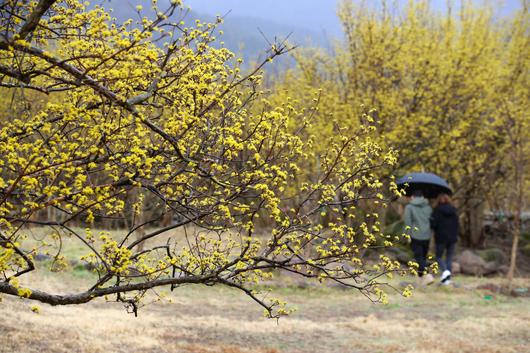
446,282
445,276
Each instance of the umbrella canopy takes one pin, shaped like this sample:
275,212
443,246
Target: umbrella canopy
430,184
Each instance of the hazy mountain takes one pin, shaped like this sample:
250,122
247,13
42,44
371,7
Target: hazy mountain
247,30
249,24
318,16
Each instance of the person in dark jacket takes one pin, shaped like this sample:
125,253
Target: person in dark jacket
444,223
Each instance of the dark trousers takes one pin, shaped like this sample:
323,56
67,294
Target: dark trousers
420,248
449,250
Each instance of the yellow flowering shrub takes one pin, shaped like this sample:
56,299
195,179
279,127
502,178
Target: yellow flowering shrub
446,89
105,110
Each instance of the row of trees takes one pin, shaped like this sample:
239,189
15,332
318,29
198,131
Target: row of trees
449,90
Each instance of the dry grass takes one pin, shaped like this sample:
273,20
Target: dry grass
204,320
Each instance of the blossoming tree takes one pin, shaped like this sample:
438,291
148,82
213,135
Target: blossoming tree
446,88
100,110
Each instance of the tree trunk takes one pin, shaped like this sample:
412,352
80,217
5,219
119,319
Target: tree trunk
167,219
517,211
513,258
473,224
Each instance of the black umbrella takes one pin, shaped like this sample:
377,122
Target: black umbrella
430,184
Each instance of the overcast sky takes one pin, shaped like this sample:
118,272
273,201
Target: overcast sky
317,15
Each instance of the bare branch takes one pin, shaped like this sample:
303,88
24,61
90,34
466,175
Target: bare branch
34,18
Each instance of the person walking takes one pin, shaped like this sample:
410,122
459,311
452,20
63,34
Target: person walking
417,219
444,223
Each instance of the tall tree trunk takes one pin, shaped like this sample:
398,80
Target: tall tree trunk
473,223
513,258
167,219
517,211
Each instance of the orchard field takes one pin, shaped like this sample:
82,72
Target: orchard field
158,193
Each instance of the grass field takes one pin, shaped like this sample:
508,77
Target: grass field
215,319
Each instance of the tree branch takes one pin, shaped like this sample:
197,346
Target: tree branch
34,18
85,297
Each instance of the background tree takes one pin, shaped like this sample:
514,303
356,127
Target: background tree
434,83
513,122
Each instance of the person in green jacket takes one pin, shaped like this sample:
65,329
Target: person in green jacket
417,219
